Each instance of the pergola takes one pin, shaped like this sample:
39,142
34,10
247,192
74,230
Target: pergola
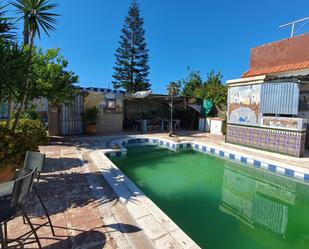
145,105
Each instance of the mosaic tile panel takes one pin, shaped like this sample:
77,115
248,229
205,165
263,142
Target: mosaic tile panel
287,142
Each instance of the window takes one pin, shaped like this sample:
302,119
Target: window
111,103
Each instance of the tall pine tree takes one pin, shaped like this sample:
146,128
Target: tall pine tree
131,69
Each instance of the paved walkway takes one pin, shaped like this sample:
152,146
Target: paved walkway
84,210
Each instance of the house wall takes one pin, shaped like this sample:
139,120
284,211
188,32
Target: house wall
247,126
304,101
40,105
109,120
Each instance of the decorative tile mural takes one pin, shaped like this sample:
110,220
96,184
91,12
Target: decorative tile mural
106,102
297,124
287,142
244,105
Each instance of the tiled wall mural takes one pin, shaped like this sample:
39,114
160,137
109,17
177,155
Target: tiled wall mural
244,105
287,142
296,124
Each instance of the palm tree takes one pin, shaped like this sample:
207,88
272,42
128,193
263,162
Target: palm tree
5,25
173,89
36,17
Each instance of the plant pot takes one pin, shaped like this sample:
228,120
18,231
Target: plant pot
6,174
91,129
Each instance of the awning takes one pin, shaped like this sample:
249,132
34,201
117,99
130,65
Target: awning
139,95
196,107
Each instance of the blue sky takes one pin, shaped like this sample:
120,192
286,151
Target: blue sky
201,34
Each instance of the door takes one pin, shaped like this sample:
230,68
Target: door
71,117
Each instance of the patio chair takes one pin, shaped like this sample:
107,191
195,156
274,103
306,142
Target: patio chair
135,125
36,160
12,205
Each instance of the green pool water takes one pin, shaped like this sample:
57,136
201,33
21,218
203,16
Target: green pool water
221,204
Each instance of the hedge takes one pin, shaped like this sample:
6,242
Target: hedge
13,146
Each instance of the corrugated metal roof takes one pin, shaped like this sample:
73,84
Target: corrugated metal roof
276,69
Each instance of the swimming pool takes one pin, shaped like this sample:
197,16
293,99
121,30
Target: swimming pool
219,203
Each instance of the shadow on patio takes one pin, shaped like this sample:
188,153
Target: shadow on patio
74,198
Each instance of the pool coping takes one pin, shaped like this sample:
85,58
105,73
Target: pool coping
272,166
157,226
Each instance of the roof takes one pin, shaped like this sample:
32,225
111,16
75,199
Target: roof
276,69
247,80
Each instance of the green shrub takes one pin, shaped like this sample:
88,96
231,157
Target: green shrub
34,130
91,115
28,136
30,114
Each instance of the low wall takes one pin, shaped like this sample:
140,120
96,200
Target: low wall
109,123
282,141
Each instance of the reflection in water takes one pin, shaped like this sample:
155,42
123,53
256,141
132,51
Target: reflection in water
256,197
258,210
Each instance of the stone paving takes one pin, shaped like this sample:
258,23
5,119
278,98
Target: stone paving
82,217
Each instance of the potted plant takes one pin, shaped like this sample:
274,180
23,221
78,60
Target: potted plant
90,119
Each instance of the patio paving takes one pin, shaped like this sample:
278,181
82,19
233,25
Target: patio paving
83,217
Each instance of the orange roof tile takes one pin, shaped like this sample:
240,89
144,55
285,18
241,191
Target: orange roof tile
276,69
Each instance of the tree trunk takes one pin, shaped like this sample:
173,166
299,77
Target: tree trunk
218,108
25,94
26,32
132,61
9,117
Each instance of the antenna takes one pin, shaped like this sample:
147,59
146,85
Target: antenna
293,24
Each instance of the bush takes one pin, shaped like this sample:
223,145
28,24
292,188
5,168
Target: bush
30,114
91,115
28,136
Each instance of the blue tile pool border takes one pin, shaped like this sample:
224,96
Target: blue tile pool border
175,146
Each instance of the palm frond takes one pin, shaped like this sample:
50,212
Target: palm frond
6,27
38,15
